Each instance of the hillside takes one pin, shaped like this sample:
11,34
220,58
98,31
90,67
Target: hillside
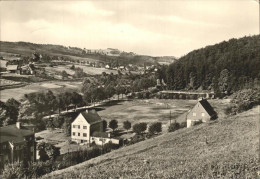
114,55
230,152
224,67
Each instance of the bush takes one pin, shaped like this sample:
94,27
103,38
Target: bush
173,127
139,128
243,100
155,128
136,138
12,171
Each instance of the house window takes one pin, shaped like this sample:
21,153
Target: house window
84,127
78,126
194,114
202,114
78,134
74,126
73,133
84,134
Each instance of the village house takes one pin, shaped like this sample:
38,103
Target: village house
201,112
88,128
84,125
13,69
17,143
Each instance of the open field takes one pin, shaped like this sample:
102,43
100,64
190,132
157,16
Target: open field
55,86
151,110
95,71
231,151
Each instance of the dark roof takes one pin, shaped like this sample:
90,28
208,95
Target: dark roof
91,116
11,133
100,134
207,107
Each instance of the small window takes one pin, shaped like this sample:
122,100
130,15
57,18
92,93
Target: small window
73,133
202,114
194,114
78,134
84,127
74,126
84,134
78,126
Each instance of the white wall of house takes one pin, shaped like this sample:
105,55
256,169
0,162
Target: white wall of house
102,141
80,130
197,113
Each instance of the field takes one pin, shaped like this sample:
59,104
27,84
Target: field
226,148
55,86
149,111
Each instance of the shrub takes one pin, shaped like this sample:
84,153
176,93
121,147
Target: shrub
173,127
136,138
139,128
243,100
14,170
155,128
127,125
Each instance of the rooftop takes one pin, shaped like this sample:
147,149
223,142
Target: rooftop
12,134
91,116
100,134
207,107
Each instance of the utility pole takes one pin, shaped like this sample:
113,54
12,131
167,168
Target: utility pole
170,117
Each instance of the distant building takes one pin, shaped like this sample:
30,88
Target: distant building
13,69
85,124
202,111
17,143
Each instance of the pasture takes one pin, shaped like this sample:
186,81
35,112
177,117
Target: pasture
149,111
55,86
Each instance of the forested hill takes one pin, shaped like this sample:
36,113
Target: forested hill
224,67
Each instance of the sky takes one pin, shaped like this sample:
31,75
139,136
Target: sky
154,27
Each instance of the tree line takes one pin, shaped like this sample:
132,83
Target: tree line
225,67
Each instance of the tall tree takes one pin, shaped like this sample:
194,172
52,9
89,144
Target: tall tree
127,125
113,124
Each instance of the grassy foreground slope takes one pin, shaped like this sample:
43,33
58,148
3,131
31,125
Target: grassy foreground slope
230,152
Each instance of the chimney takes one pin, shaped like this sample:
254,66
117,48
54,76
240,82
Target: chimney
18,125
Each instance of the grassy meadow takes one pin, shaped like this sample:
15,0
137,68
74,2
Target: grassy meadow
225,148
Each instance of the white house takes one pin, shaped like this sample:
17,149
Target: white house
85,124
202,111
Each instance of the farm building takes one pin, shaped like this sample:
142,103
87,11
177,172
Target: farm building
201,112
13,69
85,124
